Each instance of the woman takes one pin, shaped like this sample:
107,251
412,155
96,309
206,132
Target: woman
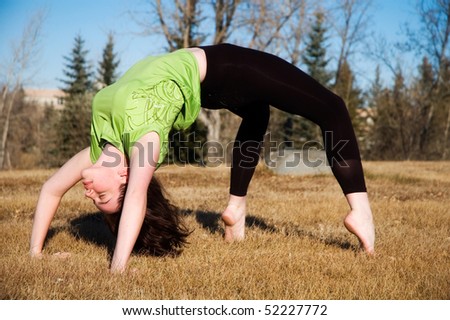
132,119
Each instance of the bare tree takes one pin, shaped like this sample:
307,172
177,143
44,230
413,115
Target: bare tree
433,41
422,108
296,32
351,22
278,26
180,28
22,59
433,37
264,25
185,23
224,15
445,89
435,18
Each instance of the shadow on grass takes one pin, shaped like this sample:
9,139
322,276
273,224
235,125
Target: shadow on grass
52,232
92,227
210,221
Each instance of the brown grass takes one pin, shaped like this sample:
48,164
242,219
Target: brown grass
296,246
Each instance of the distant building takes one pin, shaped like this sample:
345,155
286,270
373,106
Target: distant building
46,97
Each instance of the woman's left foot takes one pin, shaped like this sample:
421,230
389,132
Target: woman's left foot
234,219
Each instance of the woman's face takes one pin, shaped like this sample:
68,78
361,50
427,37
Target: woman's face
103,186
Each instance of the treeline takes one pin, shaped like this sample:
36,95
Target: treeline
43,136
406,120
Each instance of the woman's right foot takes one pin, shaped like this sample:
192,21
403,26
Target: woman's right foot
360,223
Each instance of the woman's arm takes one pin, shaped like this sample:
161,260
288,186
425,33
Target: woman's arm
143,160
51,193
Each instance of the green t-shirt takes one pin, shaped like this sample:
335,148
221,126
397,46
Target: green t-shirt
156,94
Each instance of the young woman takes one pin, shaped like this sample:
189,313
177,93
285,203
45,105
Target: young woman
132,119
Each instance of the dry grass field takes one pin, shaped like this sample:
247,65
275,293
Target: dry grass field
296,245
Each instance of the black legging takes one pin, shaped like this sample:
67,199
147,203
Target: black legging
247,81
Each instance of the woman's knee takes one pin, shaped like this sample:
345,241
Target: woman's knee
338,112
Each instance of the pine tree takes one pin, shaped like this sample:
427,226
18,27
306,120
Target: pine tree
399,116
77,72
108,66
376,89
49,138
74,124
353,98
374,103
315,53
347,90
432,97
444,99
425,100
316,63
387,144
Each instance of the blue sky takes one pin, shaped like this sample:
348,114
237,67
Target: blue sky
93,19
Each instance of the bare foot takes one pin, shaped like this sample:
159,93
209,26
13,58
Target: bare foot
360,223
234,219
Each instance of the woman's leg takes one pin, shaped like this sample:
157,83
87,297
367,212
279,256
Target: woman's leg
249,74
238,77
245,158
286,87
311,100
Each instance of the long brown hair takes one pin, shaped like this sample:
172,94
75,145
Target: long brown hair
163,232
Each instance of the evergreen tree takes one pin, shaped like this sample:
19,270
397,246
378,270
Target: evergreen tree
376,89
316,64
353,98
315,53
427,78
77,72
444,109
23,138
412,122
424,100
108,66
375,102
432,97
347,90
49,138
400,119
386,144
74,124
